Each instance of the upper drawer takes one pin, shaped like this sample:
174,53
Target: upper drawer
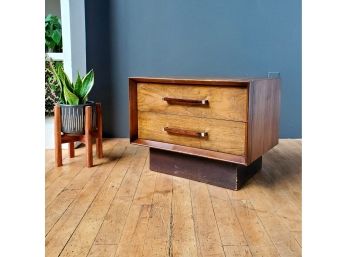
227,103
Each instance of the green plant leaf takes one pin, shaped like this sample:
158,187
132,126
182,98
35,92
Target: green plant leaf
78,85
84,100
70,97
87,84
62,80
53,33
56,36
48,18
50,45
78,89
65,79
62,97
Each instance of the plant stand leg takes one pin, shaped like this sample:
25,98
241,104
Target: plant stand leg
88,136
99,138
71,150
57,136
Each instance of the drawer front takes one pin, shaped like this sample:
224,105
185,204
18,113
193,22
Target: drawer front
210,134
226,103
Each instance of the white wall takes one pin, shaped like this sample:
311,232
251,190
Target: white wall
74,37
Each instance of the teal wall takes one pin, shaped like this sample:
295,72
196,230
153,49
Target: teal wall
193,38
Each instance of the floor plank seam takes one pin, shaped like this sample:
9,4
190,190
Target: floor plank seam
101,164
265,229
142,170
133,157
60,217
299,243
198,245
64,189
60,175
148,218
171,226
77,226
240,225
80,169
212,206
66,157
91,201
54,166
234,245
123,212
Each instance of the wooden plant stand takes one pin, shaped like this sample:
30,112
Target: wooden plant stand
87,138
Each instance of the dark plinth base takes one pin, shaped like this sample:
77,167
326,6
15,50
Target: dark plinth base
217,173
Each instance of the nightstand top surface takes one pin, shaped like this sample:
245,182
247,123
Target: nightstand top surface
198,80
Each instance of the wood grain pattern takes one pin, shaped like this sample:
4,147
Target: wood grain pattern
102,251
56,209
113,221
258,239
71,150
264,109
88,136
230,230
237,251
59,178
224,103
99,138
133,110
184,238
207,232
192,151
88,228
178,80
58,136
255,101
196,219
136,227
159,237
63,229
223,136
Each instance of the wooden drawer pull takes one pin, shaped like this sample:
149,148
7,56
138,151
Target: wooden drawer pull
190,102
184,132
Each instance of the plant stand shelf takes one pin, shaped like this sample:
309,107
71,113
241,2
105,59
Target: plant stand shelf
87,138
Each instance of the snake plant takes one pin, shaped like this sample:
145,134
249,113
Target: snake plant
73,93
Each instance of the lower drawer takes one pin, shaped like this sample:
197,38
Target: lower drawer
211,134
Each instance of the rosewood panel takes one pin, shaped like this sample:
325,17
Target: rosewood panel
221,135
263,129
262,113
227,103
133,110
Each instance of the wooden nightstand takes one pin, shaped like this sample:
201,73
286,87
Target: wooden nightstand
210,130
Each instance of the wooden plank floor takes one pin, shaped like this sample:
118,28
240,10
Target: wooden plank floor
121,208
